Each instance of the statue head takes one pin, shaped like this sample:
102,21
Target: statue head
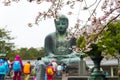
61,24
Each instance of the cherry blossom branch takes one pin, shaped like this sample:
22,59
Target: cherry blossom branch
92,12
94,39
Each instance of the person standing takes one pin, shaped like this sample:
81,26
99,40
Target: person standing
2,69
34,73
65,71
6,67
40,69
10,66
27,70
17,68
59,69
54,64
50,72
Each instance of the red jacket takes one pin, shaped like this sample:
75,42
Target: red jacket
50,77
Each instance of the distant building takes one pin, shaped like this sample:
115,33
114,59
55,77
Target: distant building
109,65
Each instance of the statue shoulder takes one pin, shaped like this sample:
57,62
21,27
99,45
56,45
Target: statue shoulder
51,35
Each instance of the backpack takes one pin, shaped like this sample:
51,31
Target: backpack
16,66
50,71
2,67
64,68
26,68
33,71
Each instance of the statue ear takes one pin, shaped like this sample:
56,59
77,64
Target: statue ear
55,21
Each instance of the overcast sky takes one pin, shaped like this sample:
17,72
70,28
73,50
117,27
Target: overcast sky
16,17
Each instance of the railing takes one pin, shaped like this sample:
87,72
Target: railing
86,78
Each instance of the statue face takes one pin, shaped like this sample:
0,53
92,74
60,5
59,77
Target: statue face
61,25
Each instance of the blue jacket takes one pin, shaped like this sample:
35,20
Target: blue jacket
4,68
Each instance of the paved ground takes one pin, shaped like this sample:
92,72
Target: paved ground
31,78
9,78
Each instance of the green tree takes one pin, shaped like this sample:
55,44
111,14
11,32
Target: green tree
5,44
27,54
111,40
23,52
34,53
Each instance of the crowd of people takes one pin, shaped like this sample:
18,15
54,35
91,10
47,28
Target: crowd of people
49,71
40,71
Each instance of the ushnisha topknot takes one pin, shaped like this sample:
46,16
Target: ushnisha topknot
61,17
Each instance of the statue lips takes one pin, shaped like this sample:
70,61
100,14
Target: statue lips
61,29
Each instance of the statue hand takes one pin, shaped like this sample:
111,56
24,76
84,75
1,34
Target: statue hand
51,55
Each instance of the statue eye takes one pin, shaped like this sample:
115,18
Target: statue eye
63,23
57,23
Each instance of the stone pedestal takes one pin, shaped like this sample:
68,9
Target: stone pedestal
82,68
73,70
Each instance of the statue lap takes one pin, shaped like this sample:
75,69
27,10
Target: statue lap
61,51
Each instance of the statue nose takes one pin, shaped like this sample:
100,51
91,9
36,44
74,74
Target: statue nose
61,27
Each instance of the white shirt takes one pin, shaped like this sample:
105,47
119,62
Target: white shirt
54,65
59,67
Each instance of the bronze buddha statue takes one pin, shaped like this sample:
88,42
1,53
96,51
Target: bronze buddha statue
56,45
